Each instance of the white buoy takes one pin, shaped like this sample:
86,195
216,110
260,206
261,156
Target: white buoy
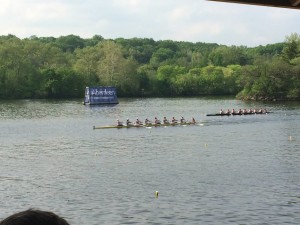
290,138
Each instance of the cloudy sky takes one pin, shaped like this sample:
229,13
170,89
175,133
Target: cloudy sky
180,20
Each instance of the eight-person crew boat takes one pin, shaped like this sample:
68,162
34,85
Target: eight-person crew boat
148,123
240,112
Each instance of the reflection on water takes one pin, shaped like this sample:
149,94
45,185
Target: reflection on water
229,170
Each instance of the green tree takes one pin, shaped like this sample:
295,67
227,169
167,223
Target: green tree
86,64
69,43
291,49
166,75
115,70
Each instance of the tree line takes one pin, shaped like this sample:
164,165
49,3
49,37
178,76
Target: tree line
48,67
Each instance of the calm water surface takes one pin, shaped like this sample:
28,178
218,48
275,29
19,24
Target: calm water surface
225,170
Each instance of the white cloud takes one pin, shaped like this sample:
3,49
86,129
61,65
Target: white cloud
45,12
190,20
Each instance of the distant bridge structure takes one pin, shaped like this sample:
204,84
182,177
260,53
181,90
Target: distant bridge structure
292,4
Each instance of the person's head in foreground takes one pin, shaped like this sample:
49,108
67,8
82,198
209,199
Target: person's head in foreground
34,217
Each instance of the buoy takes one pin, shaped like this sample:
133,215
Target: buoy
290,138
156,194
205,145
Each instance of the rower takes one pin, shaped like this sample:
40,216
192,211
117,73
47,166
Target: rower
174,120
165,120
193,120
228,112
244,111
156,121
232,111
119,123
182,120
221,111
147,122
128,122
240,111
138,122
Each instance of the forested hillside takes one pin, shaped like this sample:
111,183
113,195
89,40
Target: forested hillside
48,67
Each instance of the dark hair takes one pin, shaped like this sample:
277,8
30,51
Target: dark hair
34,217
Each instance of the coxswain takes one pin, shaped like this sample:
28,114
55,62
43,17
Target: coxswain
221,111
119,123
174,120
165,120
128,122
156,121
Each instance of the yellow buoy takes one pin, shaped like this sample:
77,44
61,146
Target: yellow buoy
156,194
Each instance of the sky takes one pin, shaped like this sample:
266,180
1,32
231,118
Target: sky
177,20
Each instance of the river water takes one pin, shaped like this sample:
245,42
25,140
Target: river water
224,170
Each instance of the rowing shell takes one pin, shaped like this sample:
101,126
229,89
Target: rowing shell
236,114
147,125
